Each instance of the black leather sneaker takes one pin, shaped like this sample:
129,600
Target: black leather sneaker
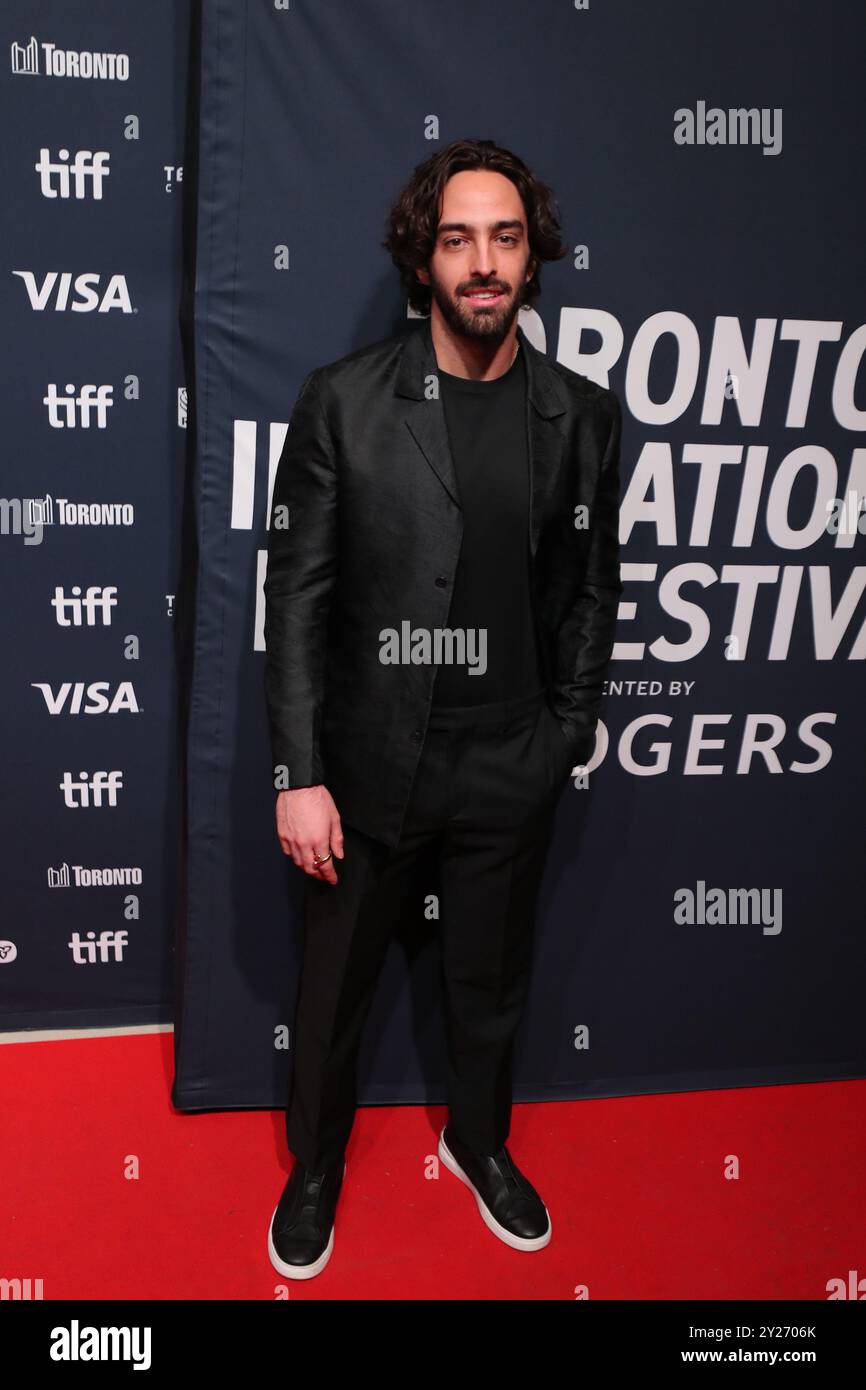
509,1205
301,1233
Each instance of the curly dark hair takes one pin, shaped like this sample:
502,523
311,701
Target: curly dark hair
414,217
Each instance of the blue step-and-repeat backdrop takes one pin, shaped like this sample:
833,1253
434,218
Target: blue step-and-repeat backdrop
95,431
701,921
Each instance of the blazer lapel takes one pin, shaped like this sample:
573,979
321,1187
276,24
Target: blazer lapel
545,406
416,379
546,402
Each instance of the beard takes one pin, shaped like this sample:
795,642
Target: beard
471,320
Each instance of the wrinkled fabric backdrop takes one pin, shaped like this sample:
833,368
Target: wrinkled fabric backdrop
715,284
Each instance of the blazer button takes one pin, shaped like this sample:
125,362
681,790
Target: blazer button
441,581
417,735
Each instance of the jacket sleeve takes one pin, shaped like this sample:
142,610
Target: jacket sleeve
300,574
586,637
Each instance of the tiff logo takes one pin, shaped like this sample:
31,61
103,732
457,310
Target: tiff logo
98,950
87,792
88,168
98,599
69,410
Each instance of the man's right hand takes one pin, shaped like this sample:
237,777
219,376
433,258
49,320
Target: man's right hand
308,823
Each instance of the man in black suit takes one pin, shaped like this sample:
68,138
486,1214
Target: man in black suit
440,600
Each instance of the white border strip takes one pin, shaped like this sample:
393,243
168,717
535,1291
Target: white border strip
28,1035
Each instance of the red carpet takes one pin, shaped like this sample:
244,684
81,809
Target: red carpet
636,1190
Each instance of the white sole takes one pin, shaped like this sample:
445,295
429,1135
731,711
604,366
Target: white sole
299,1271
516,1242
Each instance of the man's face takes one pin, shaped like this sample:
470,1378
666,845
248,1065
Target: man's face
481,244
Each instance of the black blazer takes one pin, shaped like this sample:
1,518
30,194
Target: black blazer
373,536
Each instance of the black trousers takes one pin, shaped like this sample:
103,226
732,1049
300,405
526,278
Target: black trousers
482,802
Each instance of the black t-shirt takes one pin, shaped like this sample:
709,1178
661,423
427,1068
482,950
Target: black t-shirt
486,422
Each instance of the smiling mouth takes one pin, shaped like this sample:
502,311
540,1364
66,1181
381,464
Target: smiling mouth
484,295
